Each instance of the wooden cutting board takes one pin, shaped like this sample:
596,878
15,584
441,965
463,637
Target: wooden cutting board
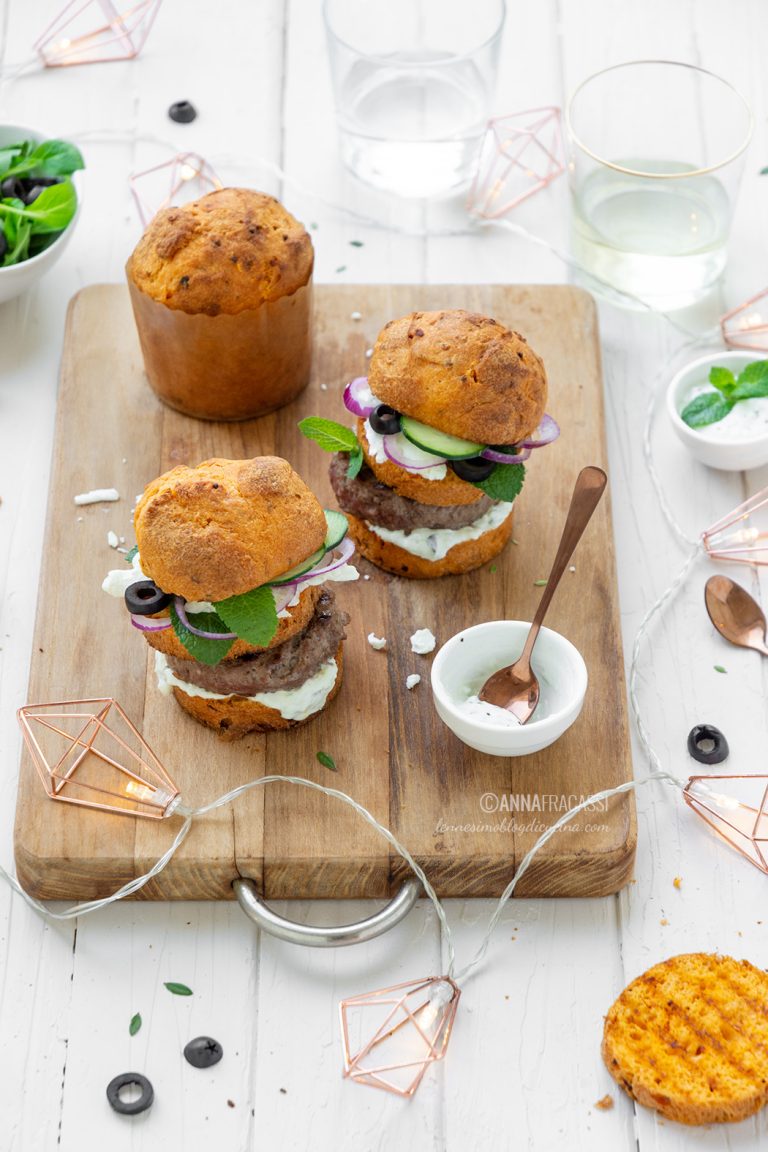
466,817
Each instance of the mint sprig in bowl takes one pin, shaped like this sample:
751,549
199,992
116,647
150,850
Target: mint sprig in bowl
40,199
718,406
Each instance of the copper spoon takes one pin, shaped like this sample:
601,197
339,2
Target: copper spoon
516,687
735,615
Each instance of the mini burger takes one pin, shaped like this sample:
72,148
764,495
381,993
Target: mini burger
452,408
231,584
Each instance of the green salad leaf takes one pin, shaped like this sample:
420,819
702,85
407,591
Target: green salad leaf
253,615
504,483
709,407
50,158
206,651
329,434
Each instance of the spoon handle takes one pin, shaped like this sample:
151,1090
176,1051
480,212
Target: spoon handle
589,487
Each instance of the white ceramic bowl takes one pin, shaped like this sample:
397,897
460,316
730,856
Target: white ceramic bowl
464,663
19,277
733,456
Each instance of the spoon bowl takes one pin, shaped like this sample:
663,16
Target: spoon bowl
735,614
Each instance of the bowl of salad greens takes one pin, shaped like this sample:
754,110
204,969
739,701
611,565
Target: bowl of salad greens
39,205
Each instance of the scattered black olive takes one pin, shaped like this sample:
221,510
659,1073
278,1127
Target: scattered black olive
385,420
34,192
475,469
144,598
11,187
3,243
130,1107
182,112
203,1052
707,744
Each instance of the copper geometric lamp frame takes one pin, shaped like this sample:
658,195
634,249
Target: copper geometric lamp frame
725,540
743,826
418,1018
746,325
75,744
121,37
520,155
186,170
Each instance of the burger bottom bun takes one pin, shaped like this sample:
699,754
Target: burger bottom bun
463,557
235,716
168,642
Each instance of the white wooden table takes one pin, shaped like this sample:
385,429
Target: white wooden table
524,1069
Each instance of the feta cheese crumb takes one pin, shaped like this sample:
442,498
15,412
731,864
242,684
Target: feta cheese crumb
572,568
366,577
368,353
112,539
97,495
423,641
377,642
323,387
412,680
355,315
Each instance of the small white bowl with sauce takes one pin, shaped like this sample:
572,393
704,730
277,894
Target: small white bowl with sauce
465,662
739,441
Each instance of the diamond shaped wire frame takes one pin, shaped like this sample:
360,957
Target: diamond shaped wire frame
520,155
413,1024
731,538
739,816
87,752
71,37
186,172
746,325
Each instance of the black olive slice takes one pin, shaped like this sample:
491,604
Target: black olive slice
707,744
474,469
144,598
385,420
203,1052
182,112
130,1107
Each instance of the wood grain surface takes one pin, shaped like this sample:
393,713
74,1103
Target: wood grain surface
391,750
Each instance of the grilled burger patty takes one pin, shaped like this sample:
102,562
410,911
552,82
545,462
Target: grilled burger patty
368,498
287,665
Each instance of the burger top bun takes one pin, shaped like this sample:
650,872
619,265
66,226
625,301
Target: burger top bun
461,372
226,526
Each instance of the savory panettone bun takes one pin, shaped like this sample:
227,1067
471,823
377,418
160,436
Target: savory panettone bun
229,582
221,294
452,408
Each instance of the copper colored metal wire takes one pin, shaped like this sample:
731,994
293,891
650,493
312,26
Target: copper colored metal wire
186,170
137,784
742,824
423,1024
746,325
121,37
520,155
732,539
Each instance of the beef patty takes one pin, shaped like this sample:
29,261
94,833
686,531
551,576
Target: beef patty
368,498
287,665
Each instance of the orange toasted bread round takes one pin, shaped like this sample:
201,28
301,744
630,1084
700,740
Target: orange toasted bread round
226,526
689,1038
463,557
462,373
235,716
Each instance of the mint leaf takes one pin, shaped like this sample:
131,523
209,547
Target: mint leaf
331,437
178,989
253,615
719,668
206,651
327,761
131,553
355,463
706,409
752,382
135,1024
723,379
504,483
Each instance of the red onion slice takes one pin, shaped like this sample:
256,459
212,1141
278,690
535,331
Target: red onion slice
547,431
406,455
283,596
147,624
358,398
499,457
341,554
178,604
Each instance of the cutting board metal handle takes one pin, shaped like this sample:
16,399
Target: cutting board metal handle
332,937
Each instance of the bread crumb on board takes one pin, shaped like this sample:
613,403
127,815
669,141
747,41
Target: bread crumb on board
677,882
605,1103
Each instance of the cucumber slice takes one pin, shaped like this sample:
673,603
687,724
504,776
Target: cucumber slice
301,568
440,443
337,528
